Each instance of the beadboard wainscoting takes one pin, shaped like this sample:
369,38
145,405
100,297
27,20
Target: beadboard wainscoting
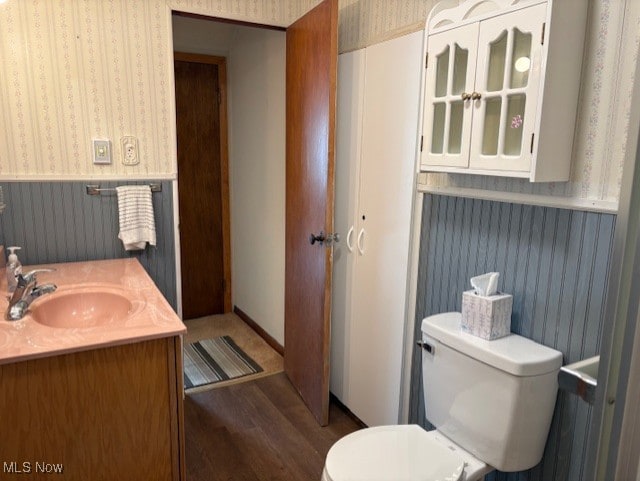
60,222
555,262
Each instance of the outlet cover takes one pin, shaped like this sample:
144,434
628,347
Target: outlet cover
130,150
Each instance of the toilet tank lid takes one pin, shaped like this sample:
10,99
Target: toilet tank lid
514,354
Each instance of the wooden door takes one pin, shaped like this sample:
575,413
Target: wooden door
311,102
202,185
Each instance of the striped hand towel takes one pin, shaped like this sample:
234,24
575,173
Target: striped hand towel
137,226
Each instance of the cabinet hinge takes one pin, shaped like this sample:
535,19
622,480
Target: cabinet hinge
544,27
421,142
426,60
532,137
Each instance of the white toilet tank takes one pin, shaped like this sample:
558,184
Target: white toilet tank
494,398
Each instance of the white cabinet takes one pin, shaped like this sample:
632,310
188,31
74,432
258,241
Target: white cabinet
376,143
501,88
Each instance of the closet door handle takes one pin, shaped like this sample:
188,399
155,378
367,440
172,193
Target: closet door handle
360,242
349,236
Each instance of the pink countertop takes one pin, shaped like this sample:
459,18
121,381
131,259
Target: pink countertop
151,316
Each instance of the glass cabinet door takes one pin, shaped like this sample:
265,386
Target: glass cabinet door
507,80
449,85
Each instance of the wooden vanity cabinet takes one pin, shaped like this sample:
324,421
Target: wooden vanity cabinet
113,413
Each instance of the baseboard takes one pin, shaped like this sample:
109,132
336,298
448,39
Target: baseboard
346,410
261,332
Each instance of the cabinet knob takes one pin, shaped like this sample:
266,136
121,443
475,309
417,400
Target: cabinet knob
465,96
475,96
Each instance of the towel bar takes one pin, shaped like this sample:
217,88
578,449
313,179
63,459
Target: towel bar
95,189
580,378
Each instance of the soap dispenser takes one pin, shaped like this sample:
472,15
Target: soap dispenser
14,268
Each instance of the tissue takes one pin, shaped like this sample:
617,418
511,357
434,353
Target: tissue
486,313
485,284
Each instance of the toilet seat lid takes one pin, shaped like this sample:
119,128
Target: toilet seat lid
399,453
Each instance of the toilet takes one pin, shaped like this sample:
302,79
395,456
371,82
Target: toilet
491,403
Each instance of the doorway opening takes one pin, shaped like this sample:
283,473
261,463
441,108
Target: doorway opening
255,104
281,164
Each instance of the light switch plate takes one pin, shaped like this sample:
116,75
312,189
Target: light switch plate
101,151
130,150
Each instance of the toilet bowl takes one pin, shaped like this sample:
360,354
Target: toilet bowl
400,453
491,403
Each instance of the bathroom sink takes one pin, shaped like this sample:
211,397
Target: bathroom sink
581,378
82,307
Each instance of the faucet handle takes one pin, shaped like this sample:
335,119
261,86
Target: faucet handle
31,275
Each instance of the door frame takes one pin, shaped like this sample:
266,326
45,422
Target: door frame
221,63
332,106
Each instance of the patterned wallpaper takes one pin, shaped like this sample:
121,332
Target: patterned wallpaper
75,70
78,70
363,23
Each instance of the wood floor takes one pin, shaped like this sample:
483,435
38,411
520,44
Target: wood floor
256,431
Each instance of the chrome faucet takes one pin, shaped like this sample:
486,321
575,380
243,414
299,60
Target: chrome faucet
26,291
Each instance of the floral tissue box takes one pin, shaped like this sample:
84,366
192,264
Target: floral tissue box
486,317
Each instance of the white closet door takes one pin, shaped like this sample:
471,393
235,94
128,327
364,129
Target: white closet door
389,136
351,69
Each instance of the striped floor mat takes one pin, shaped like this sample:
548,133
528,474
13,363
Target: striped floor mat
213,360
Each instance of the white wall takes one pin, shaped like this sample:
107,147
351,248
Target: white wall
256,79
194,35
